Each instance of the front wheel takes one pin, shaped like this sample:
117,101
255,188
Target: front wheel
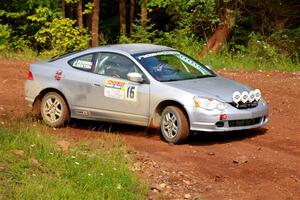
174,125
54,110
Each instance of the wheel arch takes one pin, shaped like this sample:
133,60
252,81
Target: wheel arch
156,115
36,111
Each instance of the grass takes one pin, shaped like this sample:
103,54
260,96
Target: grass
250,62
246,61
25,54
47,172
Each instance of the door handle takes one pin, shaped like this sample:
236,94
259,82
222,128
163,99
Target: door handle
97,84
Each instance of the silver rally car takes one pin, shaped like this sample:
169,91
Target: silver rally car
142,84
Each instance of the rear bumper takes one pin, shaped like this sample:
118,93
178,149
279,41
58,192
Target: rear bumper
31,90
29,101
209,121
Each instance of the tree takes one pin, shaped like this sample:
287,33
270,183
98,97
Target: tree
132,14
79,13
144,14
63,8
227,21
95,23
122,13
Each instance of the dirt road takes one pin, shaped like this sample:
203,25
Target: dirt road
257,164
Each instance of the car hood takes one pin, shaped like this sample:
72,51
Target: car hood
212,87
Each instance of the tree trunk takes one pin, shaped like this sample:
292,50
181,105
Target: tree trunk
79,13
216,42
132,15
63,8
144,13
71,11
95,23
122,13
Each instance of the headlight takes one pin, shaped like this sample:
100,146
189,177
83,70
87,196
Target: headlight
209,104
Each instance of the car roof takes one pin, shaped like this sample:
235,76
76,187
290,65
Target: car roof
135,48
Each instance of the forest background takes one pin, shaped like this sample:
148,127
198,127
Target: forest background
251,34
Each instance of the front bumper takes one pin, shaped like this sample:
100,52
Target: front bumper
237,119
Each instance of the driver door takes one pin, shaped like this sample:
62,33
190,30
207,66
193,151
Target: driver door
113,96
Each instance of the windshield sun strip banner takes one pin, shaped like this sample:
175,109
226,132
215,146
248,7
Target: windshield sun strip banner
158,54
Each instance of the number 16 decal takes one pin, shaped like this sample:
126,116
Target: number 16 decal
131,93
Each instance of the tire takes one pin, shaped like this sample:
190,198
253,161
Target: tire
171,118
54,110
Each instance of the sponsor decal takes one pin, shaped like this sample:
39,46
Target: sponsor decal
178,55
120,90
158,53
83,64
58,75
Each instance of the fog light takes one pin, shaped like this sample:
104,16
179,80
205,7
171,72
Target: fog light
220,124
223,116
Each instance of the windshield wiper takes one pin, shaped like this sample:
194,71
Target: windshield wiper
189,78
169,80
202,76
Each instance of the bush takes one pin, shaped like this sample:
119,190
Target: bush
5,32
182,40
287,42
139,34
61,35
260,48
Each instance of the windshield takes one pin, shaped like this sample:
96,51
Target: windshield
172,66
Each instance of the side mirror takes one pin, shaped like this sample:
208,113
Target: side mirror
135,77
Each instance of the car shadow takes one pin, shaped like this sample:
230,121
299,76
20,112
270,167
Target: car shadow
206,138
113,128
196,139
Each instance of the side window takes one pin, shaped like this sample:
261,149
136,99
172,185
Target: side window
114,65
84,62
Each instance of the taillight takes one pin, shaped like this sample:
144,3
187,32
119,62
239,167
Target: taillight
29,76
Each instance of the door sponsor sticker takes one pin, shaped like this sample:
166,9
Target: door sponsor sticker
120,90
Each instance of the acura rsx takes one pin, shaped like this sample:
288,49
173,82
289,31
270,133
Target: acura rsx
142,84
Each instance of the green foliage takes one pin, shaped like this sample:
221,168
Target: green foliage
5,32
266,30
260,48
62,35
182,40
44,171
42,15
12,15
53,5
202,13
287,42
139,34
88,8
227,60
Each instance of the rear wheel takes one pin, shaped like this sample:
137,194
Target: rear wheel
54,110
174,125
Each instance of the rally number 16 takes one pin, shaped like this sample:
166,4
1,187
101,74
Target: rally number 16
131,92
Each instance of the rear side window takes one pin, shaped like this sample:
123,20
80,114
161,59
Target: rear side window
84,62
